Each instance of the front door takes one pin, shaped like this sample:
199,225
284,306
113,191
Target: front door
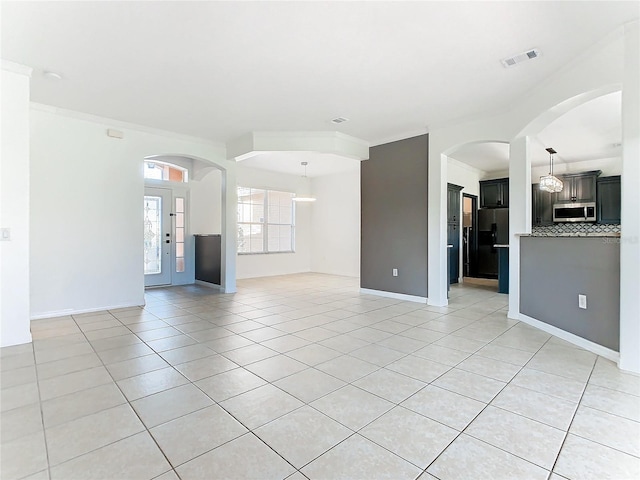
157,237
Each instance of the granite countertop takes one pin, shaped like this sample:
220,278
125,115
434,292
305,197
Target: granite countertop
572,234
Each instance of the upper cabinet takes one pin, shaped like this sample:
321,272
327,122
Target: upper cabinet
494,193
609,199
578,187
541,206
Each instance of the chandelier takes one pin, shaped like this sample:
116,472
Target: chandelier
550,183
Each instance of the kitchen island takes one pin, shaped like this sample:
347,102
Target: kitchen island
554,270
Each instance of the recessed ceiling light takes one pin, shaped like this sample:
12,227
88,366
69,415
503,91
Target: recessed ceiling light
521,57
339,120
49,75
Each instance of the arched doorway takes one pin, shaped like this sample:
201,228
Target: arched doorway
185,196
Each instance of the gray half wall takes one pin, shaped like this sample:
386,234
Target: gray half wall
394,186
554,270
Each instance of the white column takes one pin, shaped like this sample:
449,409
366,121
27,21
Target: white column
14,202
230,229
630,239
437,224
519,215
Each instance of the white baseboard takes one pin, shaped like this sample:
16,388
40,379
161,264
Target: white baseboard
571,338
513,315
71,311
397,296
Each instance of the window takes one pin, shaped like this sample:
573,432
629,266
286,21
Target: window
179,234
165,171
266,221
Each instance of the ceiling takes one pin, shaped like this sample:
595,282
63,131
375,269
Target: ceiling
591,131
319,164
218,70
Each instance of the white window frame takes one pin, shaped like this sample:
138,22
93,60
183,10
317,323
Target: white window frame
265,224
184,170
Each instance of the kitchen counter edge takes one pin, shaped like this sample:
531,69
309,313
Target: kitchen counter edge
571,234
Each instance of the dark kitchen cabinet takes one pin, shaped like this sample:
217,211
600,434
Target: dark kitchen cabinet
453,239
494,193
453,230
578,187
541,206
608,199
453,203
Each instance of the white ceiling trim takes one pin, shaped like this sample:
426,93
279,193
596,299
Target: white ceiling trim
125,125
466,166
337,143
400,136
16,68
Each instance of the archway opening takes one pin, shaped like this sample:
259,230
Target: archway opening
184,201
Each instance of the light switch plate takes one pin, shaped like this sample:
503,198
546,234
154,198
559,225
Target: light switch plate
5,234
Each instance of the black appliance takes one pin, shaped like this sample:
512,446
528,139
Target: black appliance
493,228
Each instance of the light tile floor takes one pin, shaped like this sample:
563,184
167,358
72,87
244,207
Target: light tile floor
301,376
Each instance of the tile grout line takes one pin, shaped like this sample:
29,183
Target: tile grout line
483,409
44,429
249,430
279,353
348,354
566,435
130,406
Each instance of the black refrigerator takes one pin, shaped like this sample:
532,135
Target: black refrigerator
493,228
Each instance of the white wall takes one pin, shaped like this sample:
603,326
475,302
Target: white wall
262,265
86,209
630,241
206,204
464,175
14,206
609,166
335,224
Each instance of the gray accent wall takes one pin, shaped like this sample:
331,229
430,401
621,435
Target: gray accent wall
394,217
554,270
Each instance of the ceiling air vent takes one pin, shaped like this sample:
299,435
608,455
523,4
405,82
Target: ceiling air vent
521,57
339,120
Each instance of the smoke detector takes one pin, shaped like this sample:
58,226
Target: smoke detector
339,120
520,57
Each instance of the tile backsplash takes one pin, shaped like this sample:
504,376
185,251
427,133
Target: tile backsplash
578,229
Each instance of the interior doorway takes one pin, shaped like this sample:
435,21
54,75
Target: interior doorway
469,235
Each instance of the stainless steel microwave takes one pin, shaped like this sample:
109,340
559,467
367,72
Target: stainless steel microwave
574,212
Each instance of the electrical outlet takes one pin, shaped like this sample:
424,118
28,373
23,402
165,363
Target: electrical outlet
394,272
582,301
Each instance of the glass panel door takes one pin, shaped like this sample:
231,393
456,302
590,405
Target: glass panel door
152,235
158,239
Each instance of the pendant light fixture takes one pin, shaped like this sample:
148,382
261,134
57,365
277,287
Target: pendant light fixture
550,183
303,197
